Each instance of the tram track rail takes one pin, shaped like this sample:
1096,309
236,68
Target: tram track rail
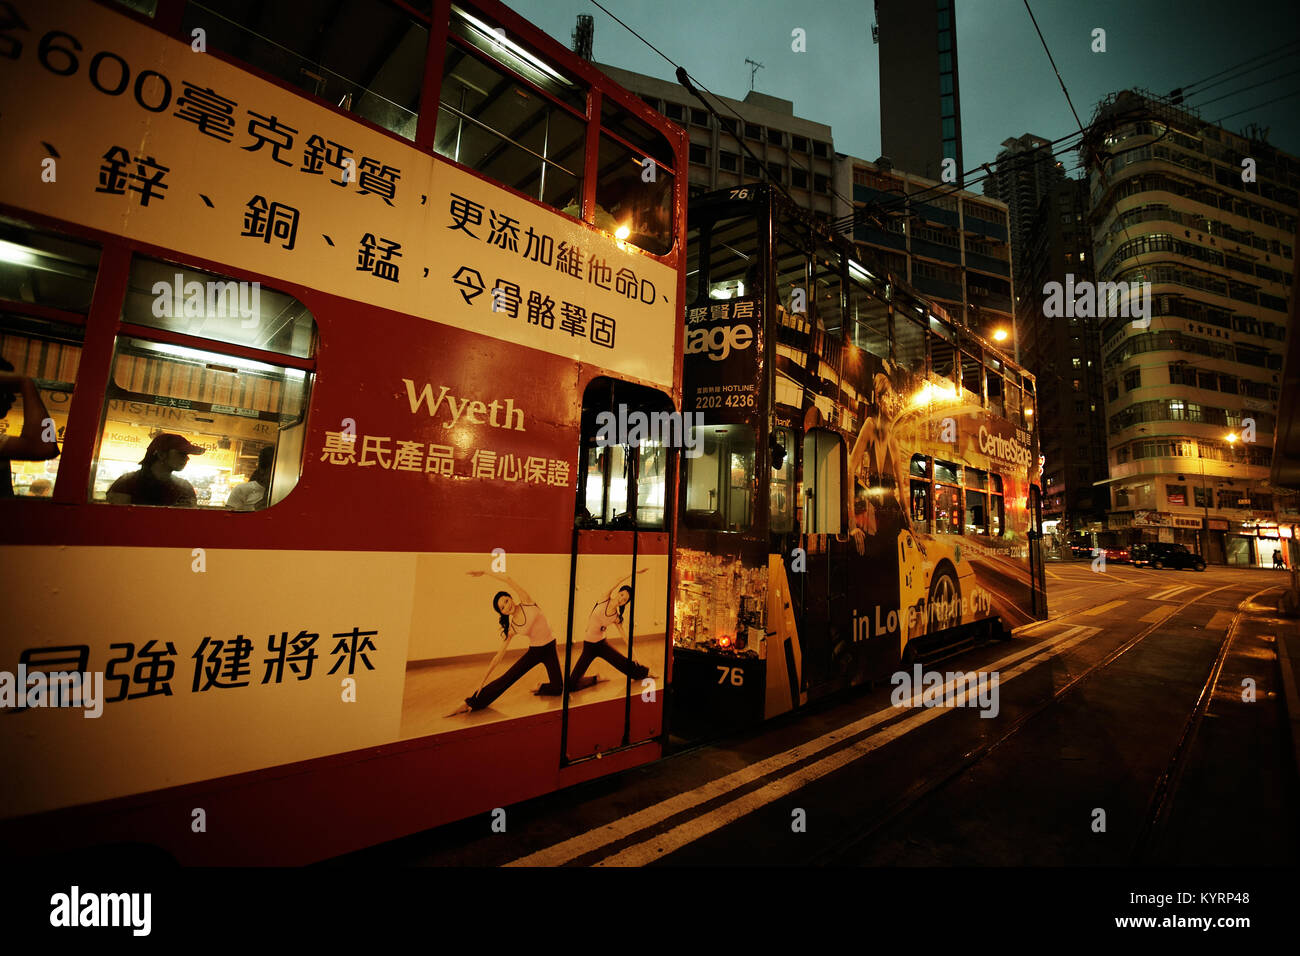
1166,784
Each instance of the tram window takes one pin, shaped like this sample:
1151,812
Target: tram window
869,314
909,343
365,56
719,483
651,485
163,295
607,474
791,282
627,201
498,126
1012,402
781,489
947,509
943,358
823,473
648,141
974,478
44,269
48,353
231,407
827,285
733,260
921,505
946,471
976,512
996,522
972,371
993,381
920,466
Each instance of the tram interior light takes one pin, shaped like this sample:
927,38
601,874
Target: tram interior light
18,255
622,232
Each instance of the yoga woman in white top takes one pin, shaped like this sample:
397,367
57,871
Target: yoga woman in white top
607,615
518,614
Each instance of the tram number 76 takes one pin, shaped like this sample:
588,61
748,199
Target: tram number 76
737,675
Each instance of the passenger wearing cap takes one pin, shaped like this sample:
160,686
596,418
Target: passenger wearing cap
155,483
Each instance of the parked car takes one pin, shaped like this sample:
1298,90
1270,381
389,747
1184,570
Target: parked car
1160,555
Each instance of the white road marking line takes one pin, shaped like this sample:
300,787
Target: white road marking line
1157,614
1221,619
1102,608
657,847
592,840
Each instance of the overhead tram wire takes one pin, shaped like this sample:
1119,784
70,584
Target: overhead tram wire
1188,87
1246,89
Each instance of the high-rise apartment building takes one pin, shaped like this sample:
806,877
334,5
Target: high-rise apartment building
1063,352
1208,218
920,99
1020,177
951,245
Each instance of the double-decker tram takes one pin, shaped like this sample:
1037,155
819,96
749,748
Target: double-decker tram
865,485
312,311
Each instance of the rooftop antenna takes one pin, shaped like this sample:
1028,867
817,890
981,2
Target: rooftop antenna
755,66
582,35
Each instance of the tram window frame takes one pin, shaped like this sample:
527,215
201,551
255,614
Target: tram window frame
47,282
910,337
997,515
1012,403
331,88
731,442
826,513
920,488
781,506
828,290
644,465
942,358
972,367
869,314
453,117
975,488
193,363
954,523
993,382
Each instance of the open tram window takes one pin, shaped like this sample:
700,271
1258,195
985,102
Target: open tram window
993,379
624,471
494,123
943,352
972,376
909,342
868,312
781,488
827,290
720,481
167,400
823,482
1013,402
46,283
365,56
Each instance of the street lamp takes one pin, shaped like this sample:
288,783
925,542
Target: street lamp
1000,335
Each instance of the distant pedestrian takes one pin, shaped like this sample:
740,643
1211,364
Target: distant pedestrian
1277,560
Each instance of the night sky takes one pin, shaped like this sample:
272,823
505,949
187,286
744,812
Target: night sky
1007,84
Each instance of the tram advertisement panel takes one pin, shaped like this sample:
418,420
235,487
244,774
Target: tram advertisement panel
111,125
720,370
